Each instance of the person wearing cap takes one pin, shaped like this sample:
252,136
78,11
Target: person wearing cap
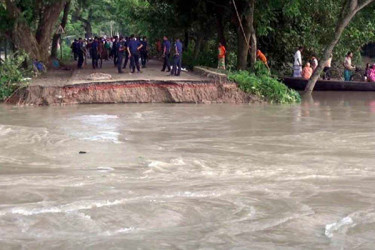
134,46
177,58
166,54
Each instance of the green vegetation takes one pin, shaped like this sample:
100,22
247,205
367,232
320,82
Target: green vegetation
277,27
262,84
12,74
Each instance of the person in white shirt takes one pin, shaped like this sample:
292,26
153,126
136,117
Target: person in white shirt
297,66
348,66
314,63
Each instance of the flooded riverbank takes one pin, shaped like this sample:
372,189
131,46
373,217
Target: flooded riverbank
190,176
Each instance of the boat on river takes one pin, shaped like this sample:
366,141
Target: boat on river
329,85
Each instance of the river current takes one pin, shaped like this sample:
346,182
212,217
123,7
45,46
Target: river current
185,176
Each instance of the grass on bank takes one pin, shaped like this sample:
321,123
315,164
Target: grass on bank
263,84
13,72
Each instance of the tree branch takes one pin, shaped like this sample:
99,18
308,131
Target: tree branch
363,4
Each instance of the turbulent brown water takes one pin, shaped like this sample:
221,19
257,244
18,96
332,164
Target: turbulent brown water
190,176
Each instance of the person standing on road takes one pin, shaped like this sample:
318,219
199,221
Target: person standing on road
177,59
74,48
126,43
144,52
80,53
114,50
133,48
120,49
166,54
94,53
297,66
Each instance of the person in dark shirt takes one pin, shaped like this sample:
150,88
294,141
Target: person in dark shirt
126,52
114,50
134,46
94,53
74,48
120,49
166,54
144,52
80,53
177,59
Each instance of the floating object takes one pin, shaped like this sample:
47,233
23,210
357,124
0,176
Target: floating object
82,152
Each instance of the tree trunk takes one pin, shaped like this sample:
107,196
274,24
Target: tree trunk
242,50
253,38
197,48
186,42
88,29
220,30
35,44
246,31
342,23
56,37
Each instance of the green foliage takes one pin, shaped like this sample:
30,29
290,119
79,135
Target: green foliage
265,86
12,73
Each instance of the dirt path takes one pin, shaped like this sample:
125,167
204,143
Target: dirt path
151,73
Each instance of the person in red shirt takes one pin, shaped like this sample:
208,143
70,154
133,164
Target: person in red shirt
221,56
307,71
262,57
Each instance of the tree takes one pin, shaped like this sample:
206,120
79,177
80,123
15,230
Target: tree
349,9
246,33
25,15
57,36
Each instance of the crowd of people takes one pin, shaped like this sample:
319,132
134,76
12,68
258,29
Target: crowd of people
123,50
307,71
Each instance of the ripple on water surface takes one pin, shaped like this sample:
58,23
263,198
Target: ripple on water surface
189,176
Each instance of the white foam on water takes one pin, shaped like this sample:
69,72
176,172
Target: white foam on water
72,207
105,169
330,229
87,205
119,231
105,136
178,162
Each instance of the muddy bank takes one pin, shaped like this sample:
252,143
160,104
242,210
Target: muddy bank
132,92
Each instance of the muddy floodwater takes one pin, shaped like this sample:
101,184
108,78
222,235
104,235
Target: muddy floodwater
189,176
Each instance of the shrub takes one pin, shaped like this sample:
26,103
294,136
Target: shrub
12,73
264,86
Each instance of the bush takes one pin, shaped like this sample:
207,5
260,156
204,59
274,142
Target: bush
12,74
262,84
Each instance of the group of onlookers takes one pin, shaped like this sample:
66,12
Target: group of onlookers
307,71
310,66
124,49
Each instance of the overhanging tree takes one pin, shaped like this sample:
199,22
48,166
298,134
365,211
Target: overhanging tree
349,10
33,24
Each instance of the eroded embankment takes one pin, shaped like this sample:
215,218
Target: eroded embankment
132,92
